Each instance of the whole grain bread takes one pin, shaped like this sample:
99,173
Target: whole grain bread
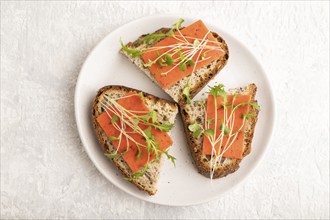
196,112
197,80
166,112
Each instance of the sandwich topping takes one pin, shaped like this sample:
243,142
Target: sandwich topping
224,127
178,52
134,131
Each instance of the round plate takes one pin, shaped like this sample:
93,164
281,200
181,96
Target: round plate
180,185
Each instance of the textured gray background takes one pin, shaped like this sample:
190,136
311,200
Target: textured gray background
45,172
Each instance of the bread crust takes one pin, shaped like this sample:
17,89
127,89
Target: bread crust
195,146
106,145
175,91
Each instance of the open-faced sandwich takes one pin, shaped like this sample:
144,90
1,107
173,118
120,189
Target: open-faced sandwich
181,60
220,129
133,129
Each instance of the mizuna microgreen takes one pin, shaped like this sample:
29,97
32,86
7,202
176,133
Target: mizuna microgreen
123,118
186,93
130,51
198,133
114,119
112,138
196,128
185,49
177,25
248,116
225,129
209,132
115,154
138,174
209,121
225,126
183,66
169,156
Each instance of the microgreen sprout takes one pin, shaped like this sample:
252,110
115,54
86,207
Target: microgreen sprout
188,49
186,93
226,126
123,118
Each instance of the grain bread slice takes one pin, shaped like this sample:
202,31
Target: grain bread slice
196,112
166,112
195,81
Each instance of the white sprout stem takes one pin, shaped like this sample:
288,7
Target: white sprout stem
172,48
197,59
193,53
202,44
106,110
228,122
122,109
185,39
134,127
196,38
123,97
182,46
130,124
228,145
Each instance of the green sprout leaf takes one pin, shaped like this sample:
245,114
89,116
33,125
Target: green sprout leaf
169,156
152,145
182,57
161,62
114,118
197,133
139,173
194,127
146,117
170,33
183,66
165,60
148,134
129,51
153,116
196,43
217,91
190,62
139,155
248,116
113,138
113,155
150,63
168,59
209,121
153,37
255,105
164,127
225,129
186,93
177,25
209,132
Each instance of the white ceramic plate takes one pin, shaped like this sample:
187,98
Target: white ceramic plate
181,185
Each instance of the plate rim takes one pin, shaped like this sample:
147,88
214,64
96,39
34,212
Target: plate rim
253,166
